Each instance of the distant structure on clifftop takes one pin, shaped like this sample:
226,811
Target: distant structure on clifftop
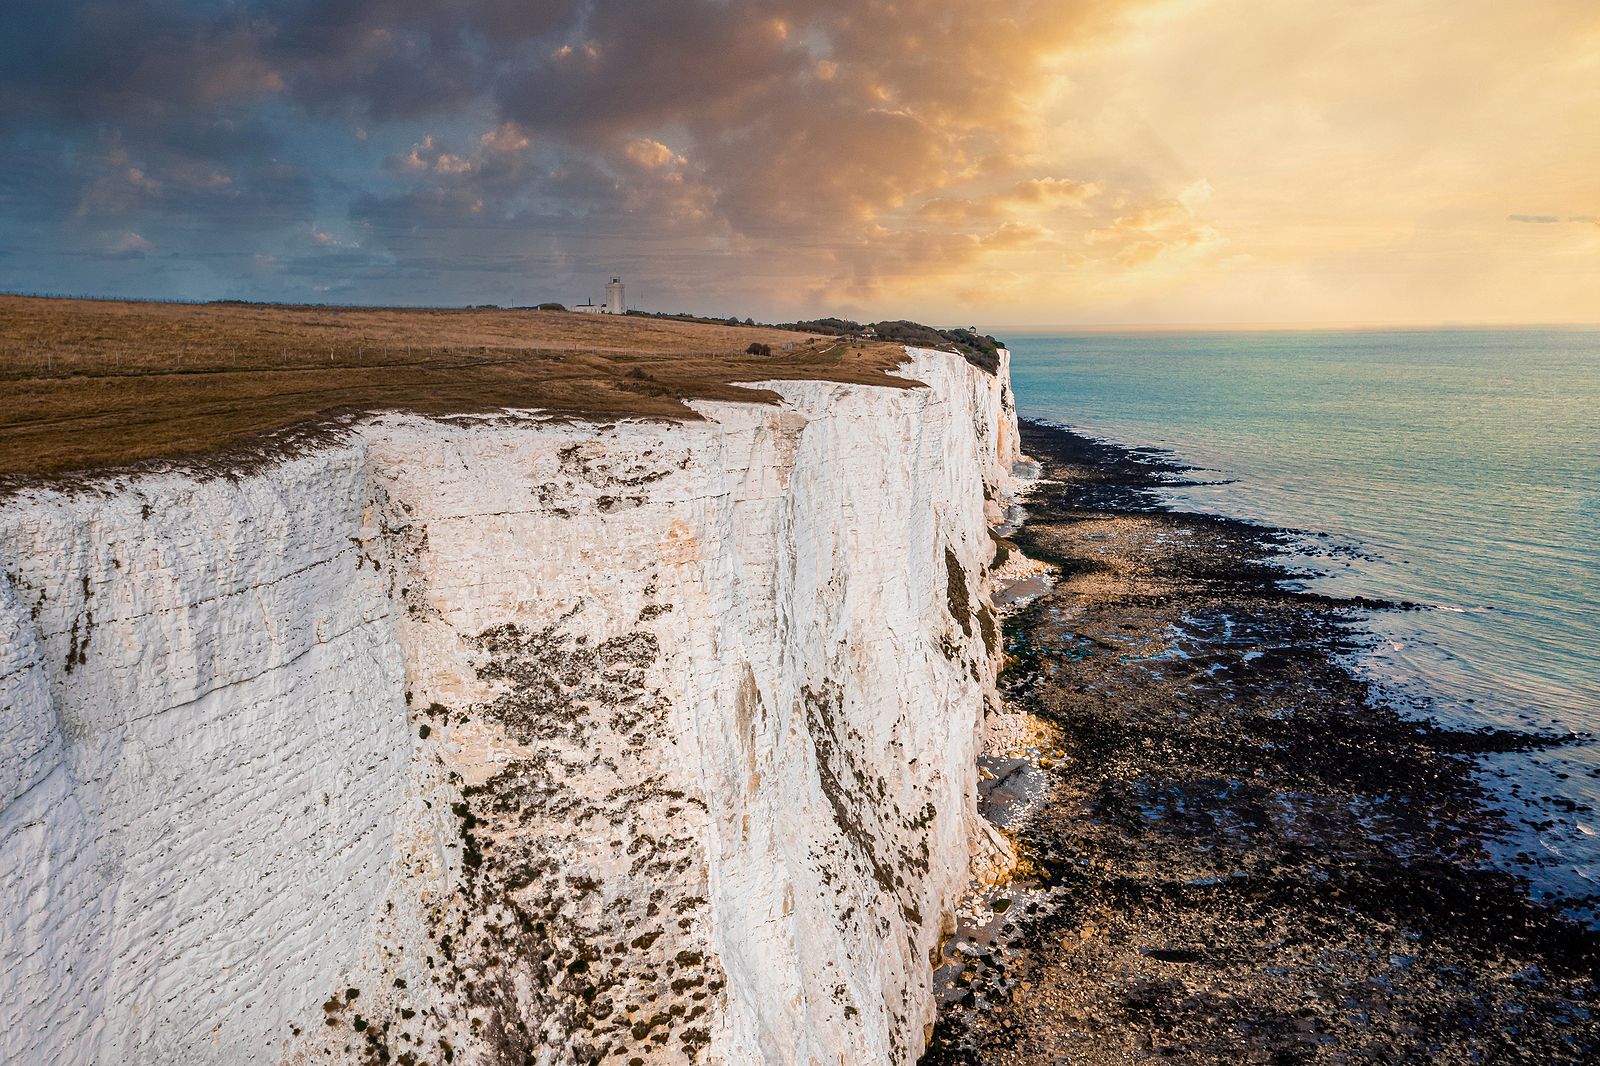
616,301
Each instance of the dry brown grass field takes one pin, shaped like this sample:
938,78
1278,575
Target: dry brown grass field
91,384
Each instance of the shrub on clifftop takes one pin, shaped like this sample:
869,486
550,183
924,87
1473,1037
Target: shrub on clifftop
981,351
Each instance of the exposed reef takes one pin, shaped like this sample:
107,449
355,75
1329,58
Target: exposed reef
1234,849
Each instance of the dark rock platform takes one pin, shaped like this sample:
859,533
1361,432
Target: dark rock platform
1245,854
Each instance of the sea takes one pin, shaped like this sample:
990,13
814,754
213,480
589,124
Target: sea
1456,468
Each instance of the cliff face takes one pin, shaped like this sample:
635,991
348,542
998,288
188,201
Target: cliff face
505,739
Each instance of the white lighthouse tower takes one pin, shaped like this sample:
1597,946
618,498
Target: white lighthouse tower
616,300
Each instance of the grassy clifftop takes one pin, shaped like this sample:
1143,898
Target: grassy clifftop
104,384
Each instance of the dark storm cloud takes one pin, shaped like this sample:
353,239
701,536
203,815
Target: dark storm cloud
823,124
137,62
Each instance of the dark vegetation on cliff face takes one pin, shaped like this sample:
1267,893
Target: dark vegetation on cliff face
594,954
956,592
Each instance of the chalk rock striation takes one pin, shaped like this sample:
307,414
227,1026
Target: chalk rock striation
506,739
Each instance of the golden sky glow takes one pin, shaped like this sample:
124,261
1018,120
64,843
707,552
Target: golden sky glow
1298,162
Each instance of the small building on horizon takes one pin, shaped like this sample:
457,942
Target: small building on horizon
616,300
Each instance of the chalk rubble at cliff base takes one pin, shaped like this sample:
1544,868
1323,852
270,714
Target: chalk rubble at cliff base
506,739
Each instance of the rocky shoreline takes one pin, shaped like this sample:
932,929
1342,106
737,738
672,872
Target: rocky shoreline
1233,848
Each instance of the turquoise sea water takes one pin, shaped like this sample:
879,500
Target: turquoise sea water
1460,468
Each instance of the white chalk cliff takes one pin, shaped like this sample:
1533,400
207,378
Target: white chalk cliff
503,740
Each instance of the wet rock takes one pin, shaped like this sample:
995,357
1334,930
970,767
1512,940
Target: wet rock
1244,854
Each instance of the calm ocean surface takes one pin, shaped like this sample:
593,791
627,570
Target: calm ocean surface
1462,470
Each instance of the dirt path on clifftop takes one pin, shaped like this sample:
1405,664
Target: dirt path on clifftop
1245,856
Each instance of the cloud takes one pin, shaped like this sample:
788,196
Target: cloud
1156,229
1054,191
127,245
651,155
1550,220
1040,193
764,122
429,156
323,239
506,137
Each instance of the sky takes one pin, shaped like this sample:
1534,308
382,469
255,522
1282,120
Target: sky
1143,162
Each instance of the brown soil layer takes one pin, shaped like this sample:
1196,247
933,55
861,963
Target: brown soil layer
105,384
1245,854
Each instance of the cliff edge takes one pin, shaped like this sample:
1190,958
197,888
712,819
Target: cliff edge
506,739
